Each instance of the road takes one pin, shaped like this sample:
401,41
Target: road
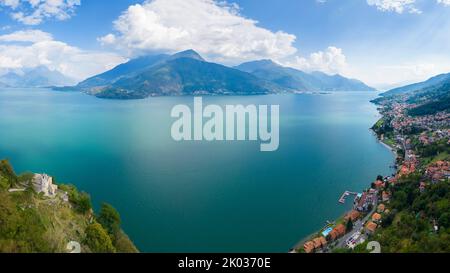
358,225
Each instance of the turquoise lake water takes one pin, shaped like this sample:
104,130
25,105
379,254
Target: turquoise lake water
199,196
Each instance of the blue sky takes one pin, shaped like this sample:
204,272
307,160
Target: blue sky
382,42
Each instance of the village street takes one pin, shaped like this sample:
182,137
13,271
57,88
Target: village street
357,227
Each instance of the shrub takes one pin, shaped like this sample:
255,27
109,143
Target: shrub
98,240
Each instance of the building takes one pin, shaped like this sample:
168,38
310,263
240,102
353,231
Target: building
366,199
337,232
319,242
315,244
353,216
361,204
438,171
422,187
44,183
376,217
381,208
371,227
385,196
309,247
379,184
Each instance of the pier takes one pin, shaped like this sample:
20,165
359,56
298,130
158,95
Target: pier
345,195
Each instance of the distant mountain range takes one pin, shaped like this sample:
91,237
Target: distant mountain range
36,77
429,97
433,82
301,81
187,73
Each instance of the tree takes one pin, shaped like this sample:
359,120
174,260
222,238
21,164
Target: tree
349,226
83,202
7,172
109,218
98,240
400,200
444,220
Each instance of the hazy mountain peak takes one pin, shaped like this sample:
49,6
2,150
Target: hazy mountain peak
190,53
301,81
40,76
257,65
431,82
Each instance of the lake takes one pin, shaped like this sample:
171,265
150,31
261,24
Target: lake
199,196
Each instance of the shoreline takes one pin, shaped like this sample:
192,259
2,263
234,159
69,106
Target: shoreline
390,148
300,243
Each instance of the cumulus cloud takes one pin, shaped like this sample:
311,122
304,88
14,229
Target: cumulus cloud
33,48
398,6
26,36
331,61
444,2
34,12
214,29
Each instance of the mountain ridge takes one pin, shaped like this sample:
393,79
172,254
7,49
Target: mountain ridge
302,81
39,76
440,79
188,73
183,73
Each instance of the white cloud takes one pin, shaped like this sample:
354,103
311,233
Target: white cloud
214,29
34,12
21,50
331,61
398,6
26,36
10,3
444,2
389,76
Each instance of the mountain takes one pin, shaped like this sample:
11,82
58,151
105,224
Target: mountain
426,98
36,77
184,73
301,81
129,68
432,82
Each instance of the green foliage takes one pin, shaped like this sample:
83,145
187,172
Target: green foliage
26,178
387,219
410,225
21,229
109,218
342,251
81,200
433,107
383,127
31,224
98,240
434,149
123,244
349,226
8,177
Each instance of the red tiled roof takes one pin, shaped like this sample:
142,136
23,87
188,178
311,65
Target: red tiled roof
371,226
308,247
376,217
353,215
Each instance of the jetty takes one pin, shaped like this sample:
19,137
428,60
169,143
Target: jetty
345,195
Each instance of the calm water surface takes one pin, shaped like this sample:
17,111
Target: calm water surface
199,197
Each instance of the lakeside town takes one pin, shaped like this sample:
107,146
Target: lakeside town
421,144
